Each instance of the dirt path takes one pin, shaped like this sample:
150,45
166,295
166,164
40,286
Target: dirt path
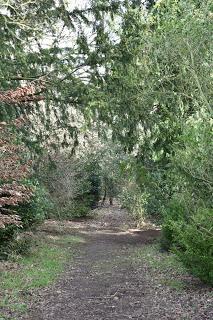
104,283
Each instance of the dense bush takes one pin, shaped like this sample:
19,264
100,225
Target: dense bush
175,212
191,170
32,213
23,202
188,216
192,240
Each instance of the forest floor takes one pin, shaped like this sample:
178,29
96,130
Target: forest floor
117,272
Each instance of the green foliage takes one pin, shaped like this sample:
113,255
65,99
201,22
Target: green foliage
34,212
192,241
7,236
74,209
192,159
157,100
22,245
188,217
135,201
26,56
111,158
93,170
176,210
73,184
159,79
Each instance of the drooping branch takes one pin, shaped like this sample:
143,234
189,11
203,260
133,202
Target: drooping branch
30,93
9,219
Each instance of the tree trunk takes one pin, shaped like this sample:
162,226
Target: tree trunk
104,197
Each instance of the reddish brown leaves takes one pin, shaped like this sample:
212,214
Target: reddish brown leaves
25,94
13,169
13,194
11,157
11,219
13,165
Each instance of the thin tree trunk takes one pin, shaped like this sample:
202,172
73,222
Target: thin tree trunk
104,197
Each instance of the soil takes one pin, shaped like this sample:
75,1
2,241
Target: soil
102,283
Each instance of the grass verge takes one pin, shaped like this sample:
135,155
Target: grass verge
170,272
36,270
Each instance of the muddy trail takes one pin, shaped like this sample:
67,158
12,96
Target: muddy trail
104,283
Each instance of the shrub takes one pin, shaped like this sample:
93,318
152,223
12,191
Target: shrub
75,208
193,244
22,244
189,235
7,236
175,212
32,213
188,217
135,201
14,168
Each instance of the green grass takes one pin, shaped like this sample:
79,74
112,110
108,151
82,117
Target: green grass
166,262
37,270
178,285
169,270
2,317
